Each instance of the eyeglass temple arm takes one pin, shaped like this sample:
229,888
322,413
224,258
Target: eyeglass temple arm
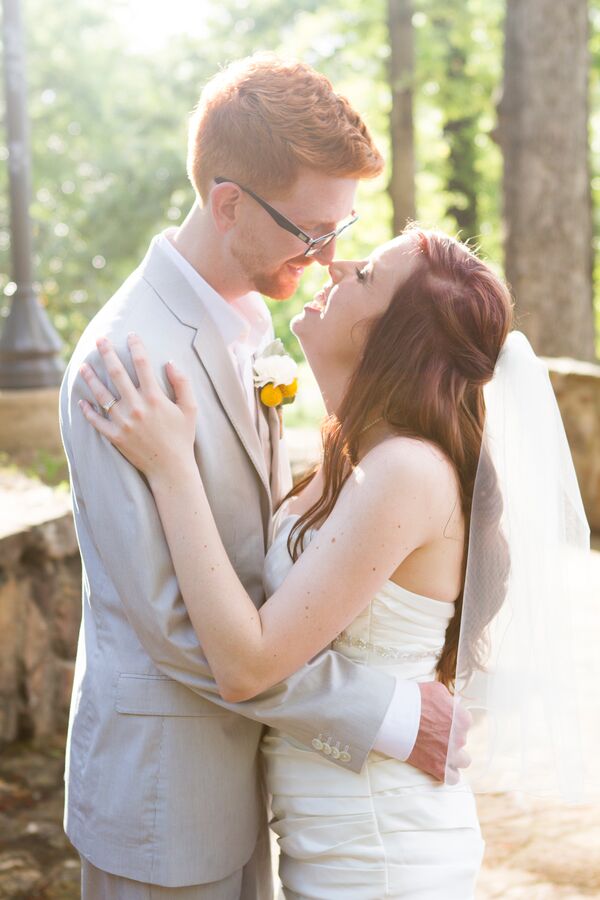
277,216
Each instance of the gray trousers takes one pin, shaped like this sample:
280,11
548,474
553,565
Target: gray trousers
252,882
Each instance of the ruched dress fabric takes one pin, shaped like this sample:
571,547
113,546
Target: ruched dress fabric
390,831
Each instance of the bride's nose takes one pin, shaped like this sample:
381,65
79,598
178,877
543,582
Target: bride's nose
338,269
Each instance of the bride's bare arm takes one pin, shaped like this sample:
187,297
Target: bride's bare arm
396,500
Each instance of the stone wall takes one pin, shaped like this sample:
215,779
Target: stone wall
577,388
40,604
29,423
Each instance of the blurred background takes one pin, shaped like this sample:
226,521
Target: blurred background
487,113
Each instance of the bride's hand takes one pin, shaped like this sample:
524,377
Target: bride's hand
150,430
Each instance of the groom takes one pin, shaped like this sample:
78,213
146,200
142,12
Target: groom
164,793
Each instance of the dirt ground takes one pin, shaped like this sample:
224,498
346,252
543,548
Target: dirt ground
535,851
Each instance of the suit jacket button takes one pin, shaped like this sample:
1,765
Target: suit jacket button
317,744
345,756
327,749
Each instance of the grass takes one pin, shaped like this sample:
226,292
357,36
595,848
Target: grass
47,468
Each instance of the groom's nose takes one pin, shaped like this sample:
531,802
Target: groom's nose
326,255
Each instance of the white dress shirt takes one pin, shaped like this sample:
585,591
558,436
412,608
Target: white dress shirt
246,327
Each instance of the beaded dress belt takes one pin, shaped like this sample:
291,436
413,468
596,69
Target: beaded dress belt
345,640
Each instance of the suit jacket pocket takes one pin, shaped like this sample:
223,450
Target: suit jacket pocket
154,695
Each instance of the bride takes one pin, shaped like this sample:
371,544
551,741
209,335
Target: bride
370,551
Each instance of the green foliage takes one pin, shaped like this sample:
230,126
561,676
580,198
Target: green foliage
109,129
47,468
50,468
108,148
459,48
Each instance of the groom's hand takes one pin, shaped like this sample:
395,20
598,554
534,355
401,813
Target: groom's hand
430,753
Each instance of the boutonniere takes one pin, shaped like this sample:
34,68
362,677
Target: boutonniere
275,378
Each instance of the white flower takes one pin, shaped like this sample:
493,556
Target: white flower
275,369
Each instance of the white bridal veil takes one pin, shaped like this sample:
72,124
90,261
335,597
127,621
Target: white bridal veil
536,703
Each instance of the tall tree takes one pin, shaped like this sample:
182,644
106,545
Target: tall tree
543,131
402,76
460,102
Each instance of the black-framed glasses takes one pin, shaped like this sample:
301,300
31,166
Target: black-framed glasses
314,245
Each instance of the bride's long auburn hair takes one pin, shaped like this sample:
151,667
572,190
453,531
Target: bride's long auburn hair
423,367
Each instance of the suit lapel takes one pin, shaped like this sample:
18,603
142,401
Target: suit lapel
190,308
275,440
213,355
263,429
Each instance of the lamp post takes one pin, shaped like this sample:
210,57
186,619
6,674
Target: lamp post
29,346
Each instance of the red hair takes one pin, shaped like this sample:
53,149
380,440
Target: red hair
262,118
423,367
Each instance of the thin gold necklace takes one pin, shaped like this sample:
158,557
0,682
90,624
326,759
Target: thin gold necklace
370,425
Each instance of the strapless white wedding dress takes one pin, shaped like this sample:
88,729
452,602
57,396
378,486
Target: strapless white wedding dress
390,831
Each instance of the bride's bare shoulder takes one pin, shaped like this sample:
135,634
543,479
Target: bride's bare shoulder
409,460
400,483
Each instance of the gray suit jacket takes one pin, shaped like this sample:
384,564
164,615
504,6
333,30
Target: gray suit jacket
163,777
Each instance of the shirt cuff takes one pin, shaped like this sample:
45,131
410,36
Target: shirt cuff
398,732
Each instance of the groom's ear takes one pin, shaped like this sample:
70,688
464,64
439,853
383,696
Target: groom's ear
225,202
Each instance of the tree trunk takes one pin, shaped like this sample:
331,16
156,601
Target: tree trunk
460,132
462,179
543,131
401,74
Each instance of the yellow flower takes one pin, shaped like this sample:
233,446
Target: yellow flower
271,395
289,390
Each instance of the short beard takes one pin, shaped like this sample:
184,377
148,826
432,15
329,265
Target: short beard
271,284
